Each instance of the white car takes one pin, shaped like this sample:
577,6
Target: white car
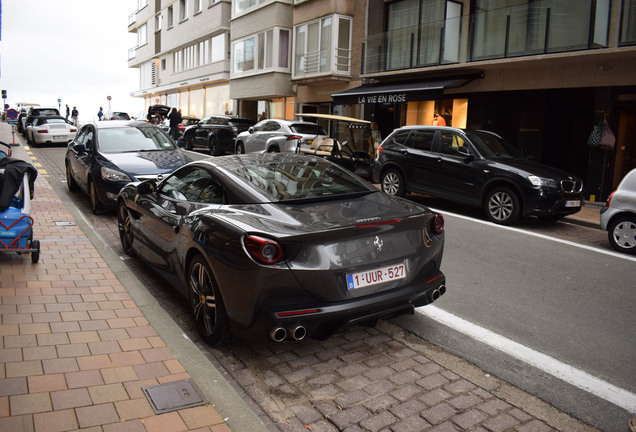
274,135
618,216
50,130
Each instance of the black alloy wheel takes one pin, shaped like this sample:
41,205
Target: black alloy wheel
240,148
124,226
206,303
502,206
392,183
621,233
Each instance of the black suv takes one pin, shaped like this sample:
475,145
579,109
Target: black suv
216,133
475,167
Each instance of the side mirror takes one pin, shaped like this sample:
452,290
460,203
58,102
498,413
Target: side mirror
146,187
251,130
80,148
463,151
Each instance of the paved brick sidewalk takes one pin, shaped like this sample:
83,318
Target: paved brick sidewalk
75,350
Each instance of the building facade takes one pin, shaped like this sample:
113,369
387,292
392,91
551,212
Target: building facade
541,73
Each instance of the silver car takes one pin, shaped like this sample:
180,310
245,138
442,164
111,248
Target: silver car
618,216
274,135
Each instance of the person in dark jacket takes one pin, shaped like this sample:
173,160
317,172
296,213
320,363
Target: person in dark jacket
175,118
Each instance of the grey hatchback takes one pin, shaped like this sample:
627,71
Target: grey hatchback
618,216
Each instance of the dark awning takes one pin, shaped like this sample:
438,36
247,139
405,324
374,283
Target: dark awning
396,92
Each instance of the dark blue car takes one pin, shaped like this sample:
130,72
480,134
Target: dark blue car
105,156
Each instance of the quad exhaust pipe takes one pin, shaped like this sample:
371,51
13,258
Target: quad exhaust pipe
279,334
437,293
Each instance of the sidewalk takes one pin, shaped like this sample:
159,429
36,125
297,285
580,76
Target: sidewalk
76,351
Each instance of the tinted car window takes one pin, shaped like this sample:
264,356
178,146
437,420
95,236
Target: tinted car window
132,139
450,142
194,185
422,140
293,181
400,137
491,146
308,129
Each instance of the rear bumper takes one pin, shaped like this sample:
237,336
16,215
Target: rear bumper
319,320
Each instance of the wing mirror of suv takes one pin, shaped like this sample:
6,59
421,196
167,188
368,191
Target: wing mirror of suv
463,151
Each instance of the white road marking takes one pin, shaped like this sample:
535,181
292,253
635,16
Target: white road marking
554,367
541,236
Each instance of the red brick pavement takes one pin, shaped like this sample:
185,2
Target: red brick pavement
75,350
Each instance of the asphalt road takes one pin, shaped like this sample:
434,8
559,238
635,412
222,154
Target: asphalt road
573,304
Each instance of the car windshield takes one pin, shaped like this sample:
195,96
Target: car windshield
308,129
294,180
133,139
491,146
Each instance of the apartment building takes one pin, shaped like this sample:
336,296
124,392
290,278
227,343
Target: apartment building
542,73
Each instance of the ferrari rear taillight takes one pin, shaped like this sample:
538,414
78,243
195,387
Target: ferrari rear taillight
262,249
437,224
43,131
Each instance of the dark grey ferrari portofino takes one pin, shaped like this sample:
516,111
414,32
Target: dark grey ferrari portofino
283,246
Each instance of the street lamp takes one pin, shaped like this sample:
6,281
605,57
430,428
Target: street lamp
109,98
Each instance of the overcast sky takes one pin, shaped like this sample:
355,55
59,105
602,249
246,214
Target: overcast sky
74,50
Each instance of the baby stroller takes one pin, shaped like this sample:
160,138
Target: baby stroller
17,178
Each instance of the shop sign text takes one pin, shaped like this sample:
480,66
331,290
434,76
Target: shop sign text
388,98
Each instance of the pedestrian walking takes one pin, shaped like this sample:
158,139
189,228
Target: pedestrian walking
175,118
75,115
68,112
100,113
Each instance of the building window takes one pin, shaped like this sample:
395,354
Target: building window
263,51
218,48
323,46
183,10
163,64
628,23
170,16
241,6
141,4
244,55
507,28
198,5
142,35
158,20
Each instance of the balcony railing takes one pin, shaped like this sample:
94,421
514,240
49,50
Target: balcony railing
434,43
132,53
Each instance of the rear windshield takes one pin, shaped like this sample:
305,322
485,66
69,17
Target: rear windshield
133,139
45,112
308,129
300,180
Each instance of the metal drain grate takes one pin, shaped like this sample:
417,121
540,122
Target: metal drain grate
174,396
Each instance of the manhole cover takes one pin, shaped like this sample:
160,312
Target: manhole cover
173,396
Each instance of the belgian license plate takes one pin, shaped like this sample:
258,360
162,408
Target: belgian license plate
573,203
376,276
58,137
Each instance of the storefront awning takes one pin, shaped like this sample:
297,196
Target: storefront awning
397,92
